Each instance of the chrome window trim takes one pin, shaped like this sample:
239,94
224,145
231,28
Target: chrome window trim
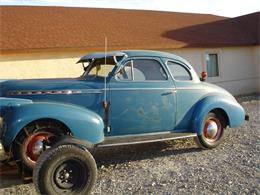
132,70
117,71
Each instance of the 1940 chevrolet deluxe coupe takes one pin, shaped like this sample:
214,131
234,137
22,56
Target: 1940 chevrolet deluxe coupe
123,97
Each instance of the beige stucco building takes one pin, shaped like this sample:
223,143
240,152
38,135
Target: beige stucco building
239,67
27,53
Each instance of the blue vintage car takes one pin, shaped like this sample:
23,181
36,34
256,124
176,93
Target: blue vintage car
123,97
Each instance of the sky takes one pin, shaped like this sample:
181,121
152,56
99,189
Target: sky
228,8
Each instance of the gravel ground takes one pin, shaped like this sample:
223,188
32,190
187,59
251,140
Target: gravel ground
180,167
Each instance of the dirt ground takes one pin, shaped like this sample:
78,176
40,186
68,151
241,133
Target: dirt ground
176,167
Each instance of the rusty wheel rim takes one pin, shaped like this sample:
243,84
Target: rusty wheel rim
35,145
212,130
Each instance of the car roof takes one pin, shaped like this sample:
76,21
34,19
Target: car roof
98,55
151,53
133,53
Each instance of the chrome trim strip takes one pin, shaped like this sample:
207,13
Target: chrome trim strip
146,141
136,89
82,91
188,88
139,135
53,92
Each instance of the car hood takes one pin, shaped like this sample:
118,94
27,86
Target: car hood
8,87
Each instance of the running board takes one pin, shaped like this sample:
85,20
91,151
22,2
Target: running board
143,138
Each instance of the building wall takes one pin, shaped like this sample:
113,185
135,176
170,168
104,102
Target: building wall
52,64
256,52
239,66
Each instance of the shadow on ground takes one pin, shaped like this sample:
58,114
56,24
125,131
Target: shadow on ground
115,155
123,154
9,176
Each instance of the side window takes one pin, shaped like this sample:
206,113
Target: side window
179,72
142,70
212,64
148,70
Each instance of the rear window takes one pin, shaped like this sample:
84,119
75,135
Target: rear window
179,72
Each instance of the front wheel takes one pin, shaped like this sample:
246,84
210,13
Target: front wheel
213,131
65,169
32,141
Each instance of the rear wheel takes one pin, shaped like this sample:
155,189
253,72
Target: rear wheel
213,131
65,169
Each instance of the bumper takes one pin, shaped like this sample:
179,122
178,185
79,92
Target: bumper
247,117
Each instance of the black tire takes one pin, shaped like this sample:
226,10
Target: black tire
20,146
214,139
65,169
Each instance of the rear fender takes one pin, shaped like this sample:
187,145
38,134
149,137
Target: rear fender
229,105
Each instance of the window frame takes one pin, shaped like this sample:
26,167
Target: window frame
145,81
89,67
121,67
101,76
181,64
219,59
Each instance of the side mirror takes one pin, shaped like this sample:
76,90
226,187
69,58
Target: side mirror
203,75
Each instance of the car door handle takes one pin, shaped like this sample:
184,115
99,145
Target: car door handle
168,93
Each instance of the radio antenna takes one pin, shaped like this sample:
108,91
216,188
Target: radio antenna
105,78
106,104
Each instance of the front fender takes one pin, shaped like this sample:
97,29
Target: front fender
83,123
8,102
234,111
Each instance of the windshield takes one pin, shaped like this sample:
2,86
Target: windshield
97,68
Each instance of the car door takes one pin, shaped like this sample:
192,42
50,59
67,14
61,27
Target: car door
142,98
188,93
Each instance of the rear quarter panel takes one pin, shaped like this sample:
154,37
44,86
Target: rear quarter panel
234,111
